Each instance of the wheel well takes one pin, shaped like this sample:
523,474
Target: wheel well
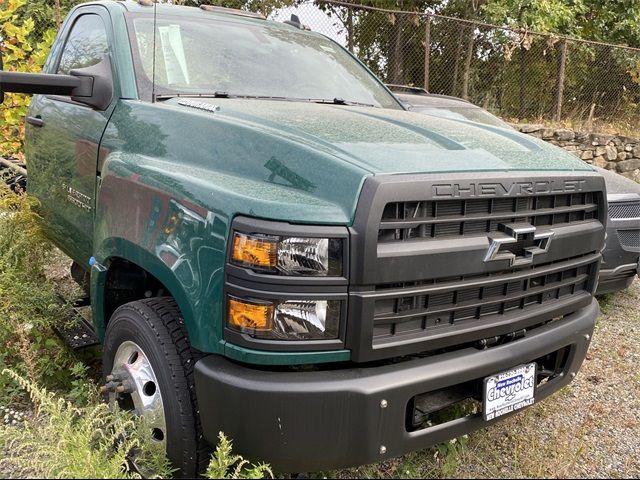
127,282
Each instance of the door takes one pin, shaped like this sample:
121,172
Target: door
63,139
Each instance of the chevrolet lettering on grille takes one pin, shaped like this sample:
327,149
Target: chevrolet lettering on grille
518,243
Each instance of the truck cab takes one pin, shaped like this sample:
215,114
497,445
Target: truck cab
276,249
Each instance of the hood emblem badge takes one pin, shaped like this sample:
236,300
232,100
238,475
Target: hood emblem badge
518,243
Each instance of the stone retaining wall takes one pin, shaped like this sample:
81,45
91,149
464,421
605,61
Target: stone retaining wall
613,152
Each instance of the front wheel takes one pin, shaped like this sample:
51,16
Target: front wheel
149,365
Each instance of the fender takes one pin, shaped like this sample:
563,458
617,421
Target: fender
202,337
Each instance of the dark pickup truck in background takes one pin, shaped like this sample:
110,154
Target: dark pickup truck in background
275,248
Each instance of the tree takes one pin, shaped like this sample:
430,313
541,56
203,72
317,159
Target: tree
16,30
265,7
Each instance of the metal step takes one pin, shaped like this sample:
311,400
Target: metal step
78,332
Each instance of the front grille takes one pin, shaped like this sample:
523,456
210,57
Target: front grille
629,238
451,218
624,210
436,306
439,262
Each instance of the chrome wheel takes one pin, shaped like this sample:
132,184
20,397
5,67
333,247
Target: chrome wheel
133,385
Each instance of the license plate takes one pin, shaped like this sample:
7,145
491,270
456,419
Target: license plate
509,391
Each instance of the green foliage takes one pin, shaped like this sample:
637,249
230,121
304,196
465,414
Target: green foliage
29,305
224,464
539,15
18,31
263,6
64,441
448,454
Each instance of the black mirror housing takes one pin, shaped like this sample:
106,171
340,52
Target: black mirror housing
92,86
101,92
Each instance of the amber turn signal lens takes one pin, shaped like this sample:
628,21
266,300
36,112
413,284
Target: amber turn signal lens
250,316
255,251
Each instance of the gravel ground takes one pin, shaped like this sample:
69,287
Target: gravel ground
591,428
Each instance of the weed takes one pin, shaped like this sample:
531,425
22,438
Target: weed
29,305
224,464
606,302
64,441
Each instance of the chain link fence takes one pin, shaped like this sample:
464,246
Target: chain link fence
517,74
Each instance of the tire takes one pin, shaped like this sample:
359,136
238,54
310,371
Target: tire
157,327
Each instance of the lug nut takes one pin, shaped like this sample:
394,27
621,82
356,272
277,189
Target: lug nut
383,403
111,386
383,449
124,387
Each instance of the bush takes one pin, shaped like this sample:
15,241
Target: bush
61,440
29,304
17,32
64,441
224,464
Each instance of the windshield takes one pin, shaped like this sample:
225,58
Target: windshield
199,55
470,113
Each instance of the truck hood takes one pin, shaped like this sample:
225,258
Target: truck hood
385,141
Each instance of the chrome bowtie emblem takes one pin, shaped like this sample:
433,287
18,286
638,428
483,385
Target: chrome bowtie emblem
518,243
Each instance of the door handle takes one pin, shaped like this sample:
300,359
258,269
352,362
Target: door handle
35,121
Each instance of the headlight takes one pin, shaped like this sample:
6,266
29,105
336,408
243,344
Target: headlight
285,320
288,255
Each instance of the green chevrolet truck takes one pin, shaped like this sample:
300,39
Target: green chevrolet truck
273,247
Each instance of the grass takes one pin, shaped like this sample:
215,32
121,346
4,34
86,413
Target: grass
65,441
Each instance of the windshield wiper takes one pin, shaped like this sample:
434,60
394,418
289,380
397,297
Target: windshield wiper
215,94
222,94
340,101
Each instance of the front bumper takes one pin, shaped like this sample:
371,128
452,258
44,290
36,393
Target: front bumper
313,420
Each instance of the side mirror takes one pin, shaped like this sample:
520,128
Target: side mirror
102,84
92,86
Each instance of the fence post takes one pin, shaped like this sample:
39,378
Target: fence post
350,29
522,82
427,51
562,62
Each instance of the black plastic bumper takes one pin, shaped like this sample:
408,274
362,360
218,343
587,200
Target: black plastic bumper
314,420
